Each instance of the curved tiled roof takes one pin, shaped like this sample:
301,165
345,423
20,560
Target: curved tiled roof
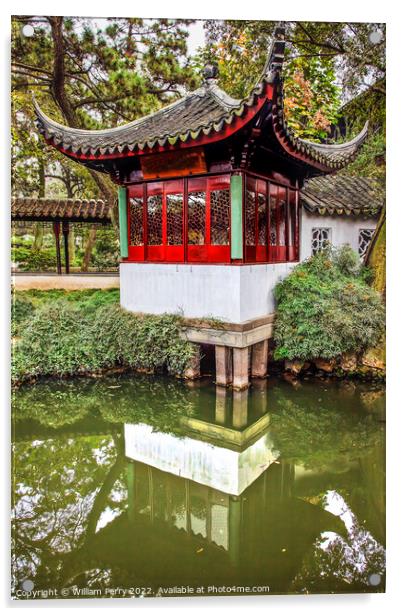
206,112
78,210
199,113
342,194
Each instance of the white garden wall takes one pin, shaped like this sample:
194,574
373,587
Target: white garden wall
344,230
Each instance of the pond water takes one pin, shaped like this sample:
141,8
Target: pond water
128,487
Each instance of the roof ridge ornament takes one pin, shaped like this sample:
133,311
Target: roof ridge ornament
276,54
210,73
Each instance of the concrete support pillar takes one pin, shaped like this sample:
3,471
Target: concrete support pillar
223,363
220,405
240,368
259,359
240,409
193,370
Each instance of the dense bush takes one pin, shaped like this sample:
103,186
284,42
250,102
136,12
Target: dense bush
30,260
325,308
106,253
21,309
62,339
85,299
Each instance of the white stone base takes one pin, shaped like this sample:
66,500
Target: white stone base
231,293
210,465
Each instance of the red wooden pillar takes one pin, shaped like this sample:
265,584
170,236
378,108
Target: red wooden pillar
56,231
269,251
287,225
66,231
297,223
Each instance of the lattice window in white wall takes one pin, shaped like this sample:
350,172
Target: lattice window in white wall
320,237
365,236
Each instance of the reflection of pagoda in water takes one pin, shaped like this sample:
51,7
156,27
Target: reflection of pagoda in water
193,482
207,501
220,488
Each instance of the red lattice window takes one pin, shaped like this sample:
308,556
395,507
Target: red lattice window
136,205
154,220
174,218
250,217
273,207
196,217
220,217
292,218
281,216
262,218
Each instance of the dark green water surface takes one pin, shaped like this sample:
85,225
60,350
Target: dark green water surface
127,487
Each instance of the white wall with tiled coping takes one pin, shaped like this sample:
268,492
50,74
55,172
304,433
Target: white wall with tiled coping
344,230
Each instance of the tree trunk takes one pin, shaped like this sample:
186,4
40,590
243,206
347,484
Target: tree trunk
38,236
375,257
89,244
374,358
105,185
71,243
38,227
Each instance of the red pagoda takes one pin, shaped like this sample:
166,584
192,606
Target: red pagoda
208,195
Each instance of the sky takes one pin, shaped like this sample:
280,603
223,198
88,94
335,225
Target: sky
196,36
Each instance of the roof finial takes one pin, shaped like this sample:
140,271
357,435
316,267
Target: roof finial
210,73
276,52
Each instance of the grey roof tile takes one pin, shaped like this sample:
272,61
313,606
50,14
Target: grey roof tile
342,195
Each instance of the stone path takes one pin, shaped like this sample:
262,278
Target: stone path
71,282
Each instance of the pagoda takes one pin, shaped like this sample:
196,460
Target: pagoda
208,196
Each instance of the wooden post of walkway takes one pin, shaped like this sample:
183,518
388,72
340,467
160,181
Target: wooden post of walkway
56,231
259,359
223,365
240,368
66,231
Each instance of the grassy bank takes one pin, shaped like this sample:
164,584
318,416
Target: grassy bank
60,333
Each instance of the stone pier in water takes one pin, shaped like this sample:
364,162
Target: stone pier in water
241,350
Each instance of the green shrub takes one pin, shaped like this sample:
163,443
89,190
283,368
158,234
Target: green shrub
62,339
20,254
21,309
325,309
106,252
34,260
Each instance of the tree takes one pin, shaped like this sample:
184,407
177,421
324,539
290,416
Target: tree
320,58
92,75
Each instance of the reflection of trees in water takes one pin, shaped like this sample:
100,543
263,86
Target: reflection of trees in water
60,489
54,404
344,450
341,564
323,438
65,487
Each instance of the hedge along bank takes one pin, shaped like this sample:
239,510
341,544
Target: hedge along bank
326,310
62,340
